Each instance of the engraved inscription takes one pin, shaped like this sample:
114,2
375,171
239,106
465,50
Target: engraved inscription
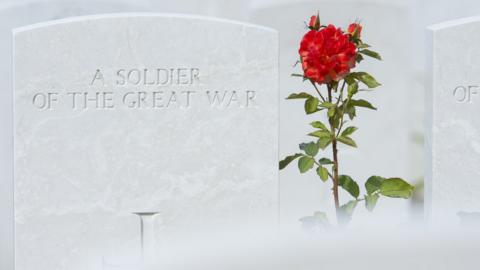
464,94
136,88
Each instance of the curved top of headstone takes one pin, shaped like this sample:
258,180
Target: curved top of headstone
454,23
135,15
259,5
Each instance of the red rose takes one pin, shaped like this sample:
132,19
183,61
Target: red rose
355,29
327,55
314,23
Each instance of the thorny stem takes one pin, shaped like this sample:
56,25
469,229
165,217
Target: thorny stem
335,157
345,104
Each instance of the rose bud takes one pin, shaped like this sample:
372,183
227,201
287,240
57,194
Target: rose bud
355,30
314,23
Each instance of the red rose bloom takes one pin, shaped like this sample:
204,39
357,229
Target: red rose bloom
327,55
355,29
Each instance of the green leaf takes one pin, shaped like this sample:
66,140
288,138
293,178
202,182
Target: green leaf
363,46
359,58
366,78
351,111
331,112
327,105
352,89
321,216
305,164
371,54
371,201
348,184
323,142
284,163
323,173
301,95
320,125
349,207
350,79
346,211
336,120
348,131
311,105
396,188
319,219
321,134
373,184
361,103
310,148
325,161
347,141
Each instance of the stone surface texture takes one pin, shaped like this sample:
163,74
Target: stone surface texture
80,171
452,126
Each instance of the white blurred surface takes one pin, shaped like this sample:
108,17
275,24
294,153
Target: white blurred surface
388,248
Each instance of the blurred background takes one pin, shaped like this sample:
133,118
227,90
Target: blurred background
390,140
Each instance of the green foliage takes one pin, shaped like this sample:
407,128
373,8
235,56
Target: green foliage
346,211
317,220
373,184
323,173
301,95
363,46
319,125
311,105
324,142
305,164
365,78
338,102
361,103
327,105
371,54
396,188
325,161
347,140
321,134
352,89
284,163
348,184
371,201
349,131
310,148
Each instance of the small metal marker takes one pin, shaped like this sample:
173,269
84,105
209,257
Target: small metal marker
147,238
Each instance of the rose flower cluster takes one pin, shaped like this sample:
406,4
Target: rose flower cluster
327,53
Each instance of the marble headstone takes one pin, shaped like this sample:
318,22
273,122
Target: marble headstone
452,126
116,114
15,14
383,138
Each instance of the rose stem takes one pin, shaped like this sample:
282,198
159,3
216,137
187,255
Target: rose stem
335,157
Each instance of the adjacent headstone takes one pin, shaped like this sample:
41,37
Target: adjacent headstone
132,113
453,128
384,138
423,14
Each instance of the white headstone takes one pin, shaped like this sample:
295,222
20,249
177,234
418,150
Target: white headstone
15,14
128,113
18,13
453,128
383,139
